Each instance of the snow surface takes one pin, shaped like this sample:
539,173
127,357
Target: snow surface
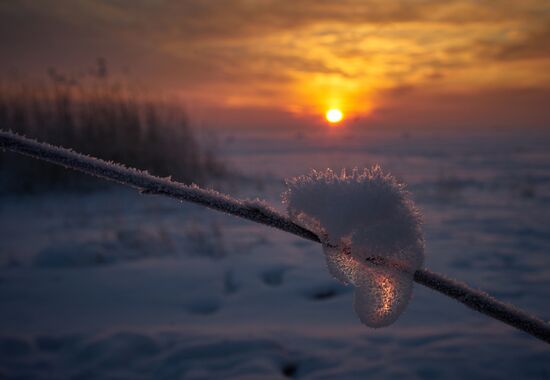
118,285
371,235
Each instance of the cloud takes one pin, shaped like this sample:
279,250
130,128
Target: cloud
302,55
533,43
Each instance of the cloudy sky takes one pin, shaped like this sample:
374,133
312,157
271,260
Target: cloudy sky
264,62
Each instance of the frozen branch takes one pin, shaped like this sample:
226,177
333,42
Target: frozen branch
259,212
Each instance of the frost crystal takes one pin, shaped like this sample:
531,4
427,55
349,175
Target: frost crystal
370,230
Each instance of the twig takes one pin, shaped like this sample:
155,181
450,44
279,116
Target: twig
259,212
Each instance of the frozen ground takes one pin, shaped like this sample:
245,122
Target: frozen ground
117,285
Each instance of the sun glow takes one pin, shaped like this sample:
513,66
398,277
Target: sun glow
334,115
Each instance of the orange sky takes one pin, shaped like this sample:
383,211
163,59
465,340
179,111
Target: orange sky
253,62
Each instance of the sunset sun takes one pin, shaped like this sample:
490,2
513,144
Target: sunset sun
334,116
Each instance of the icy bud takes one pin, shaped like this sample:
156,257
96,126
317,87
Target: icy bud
371,235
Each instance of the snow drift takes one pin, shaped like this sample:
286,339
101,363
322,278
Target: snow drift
370,231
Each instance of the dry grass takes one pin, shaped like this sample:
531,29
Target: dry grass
103,120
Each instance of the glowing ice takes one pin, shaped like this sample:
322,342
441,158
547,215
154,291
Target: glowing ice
371,235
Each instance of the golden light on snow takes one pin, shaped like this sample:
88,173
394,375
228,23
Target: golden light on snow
388,294
334,115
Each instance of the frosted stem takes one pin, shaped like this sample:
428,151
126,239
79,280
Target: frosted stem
258,212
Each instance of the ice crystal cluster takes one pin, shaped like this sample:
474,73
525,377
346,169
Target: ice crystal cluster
370,230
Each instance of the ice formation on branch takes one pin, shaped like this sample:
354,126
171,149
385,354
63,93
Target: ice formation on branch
378,300
371,235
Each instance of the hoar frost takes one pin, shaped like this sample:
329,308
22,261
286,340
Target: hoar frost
370,230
